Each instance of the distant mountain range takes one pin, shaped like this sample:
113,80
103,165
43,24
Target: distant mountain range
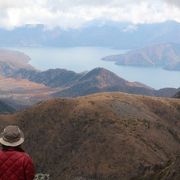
25,85
107,34
103,136
71,84
158,55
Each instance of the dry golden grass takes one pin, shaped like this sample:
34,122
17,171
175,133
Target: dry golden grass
101,136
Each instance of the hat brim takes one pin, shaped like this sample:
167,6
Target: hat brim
14,144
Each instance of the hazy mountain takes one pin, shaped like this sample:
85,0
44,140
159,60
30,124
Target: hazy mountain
166,92
106,34
19,92
103,136
157,55
11,61
103,80
174,66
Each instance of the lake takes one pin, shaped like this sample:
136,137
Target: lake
81,59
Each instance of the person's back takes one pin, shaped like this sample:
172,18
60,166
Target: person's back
15,164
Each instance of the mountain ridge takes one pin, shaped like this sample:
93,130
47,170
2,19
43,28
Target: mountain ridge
69,83
103,80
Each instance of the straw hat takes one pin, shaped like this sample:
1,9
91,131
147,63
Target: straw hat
12,136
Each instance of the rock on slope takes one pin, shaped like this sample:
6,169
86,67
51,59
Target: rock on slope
103,136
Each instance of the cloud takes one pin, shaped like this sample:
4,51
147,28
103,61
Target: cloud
75,13
173,2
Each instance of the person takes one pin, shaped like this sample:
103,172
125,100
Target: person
15,164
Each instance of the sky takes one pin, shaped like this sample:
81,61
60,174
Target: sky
75,13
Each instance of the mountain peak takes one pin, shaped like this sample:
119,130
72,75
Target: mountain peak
105,75
102,80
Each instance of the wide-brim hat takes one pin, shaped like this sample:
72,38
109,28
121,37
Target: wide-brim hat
12,136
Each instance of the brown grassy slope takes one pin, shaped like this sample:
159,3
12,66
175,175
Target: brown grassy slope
103,136
22,90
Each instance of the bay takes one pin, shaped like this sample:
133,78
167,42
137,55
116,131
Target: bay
80,59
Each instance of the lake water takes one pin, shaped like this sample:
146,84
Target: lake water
81,59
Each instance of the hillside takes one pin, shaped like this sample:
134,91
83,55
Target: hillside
23,92
177,95
103,80
168,172
5,108
103,136
158,55
51,77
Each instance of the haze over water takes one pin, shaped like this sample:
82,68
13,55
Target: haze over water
81,59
